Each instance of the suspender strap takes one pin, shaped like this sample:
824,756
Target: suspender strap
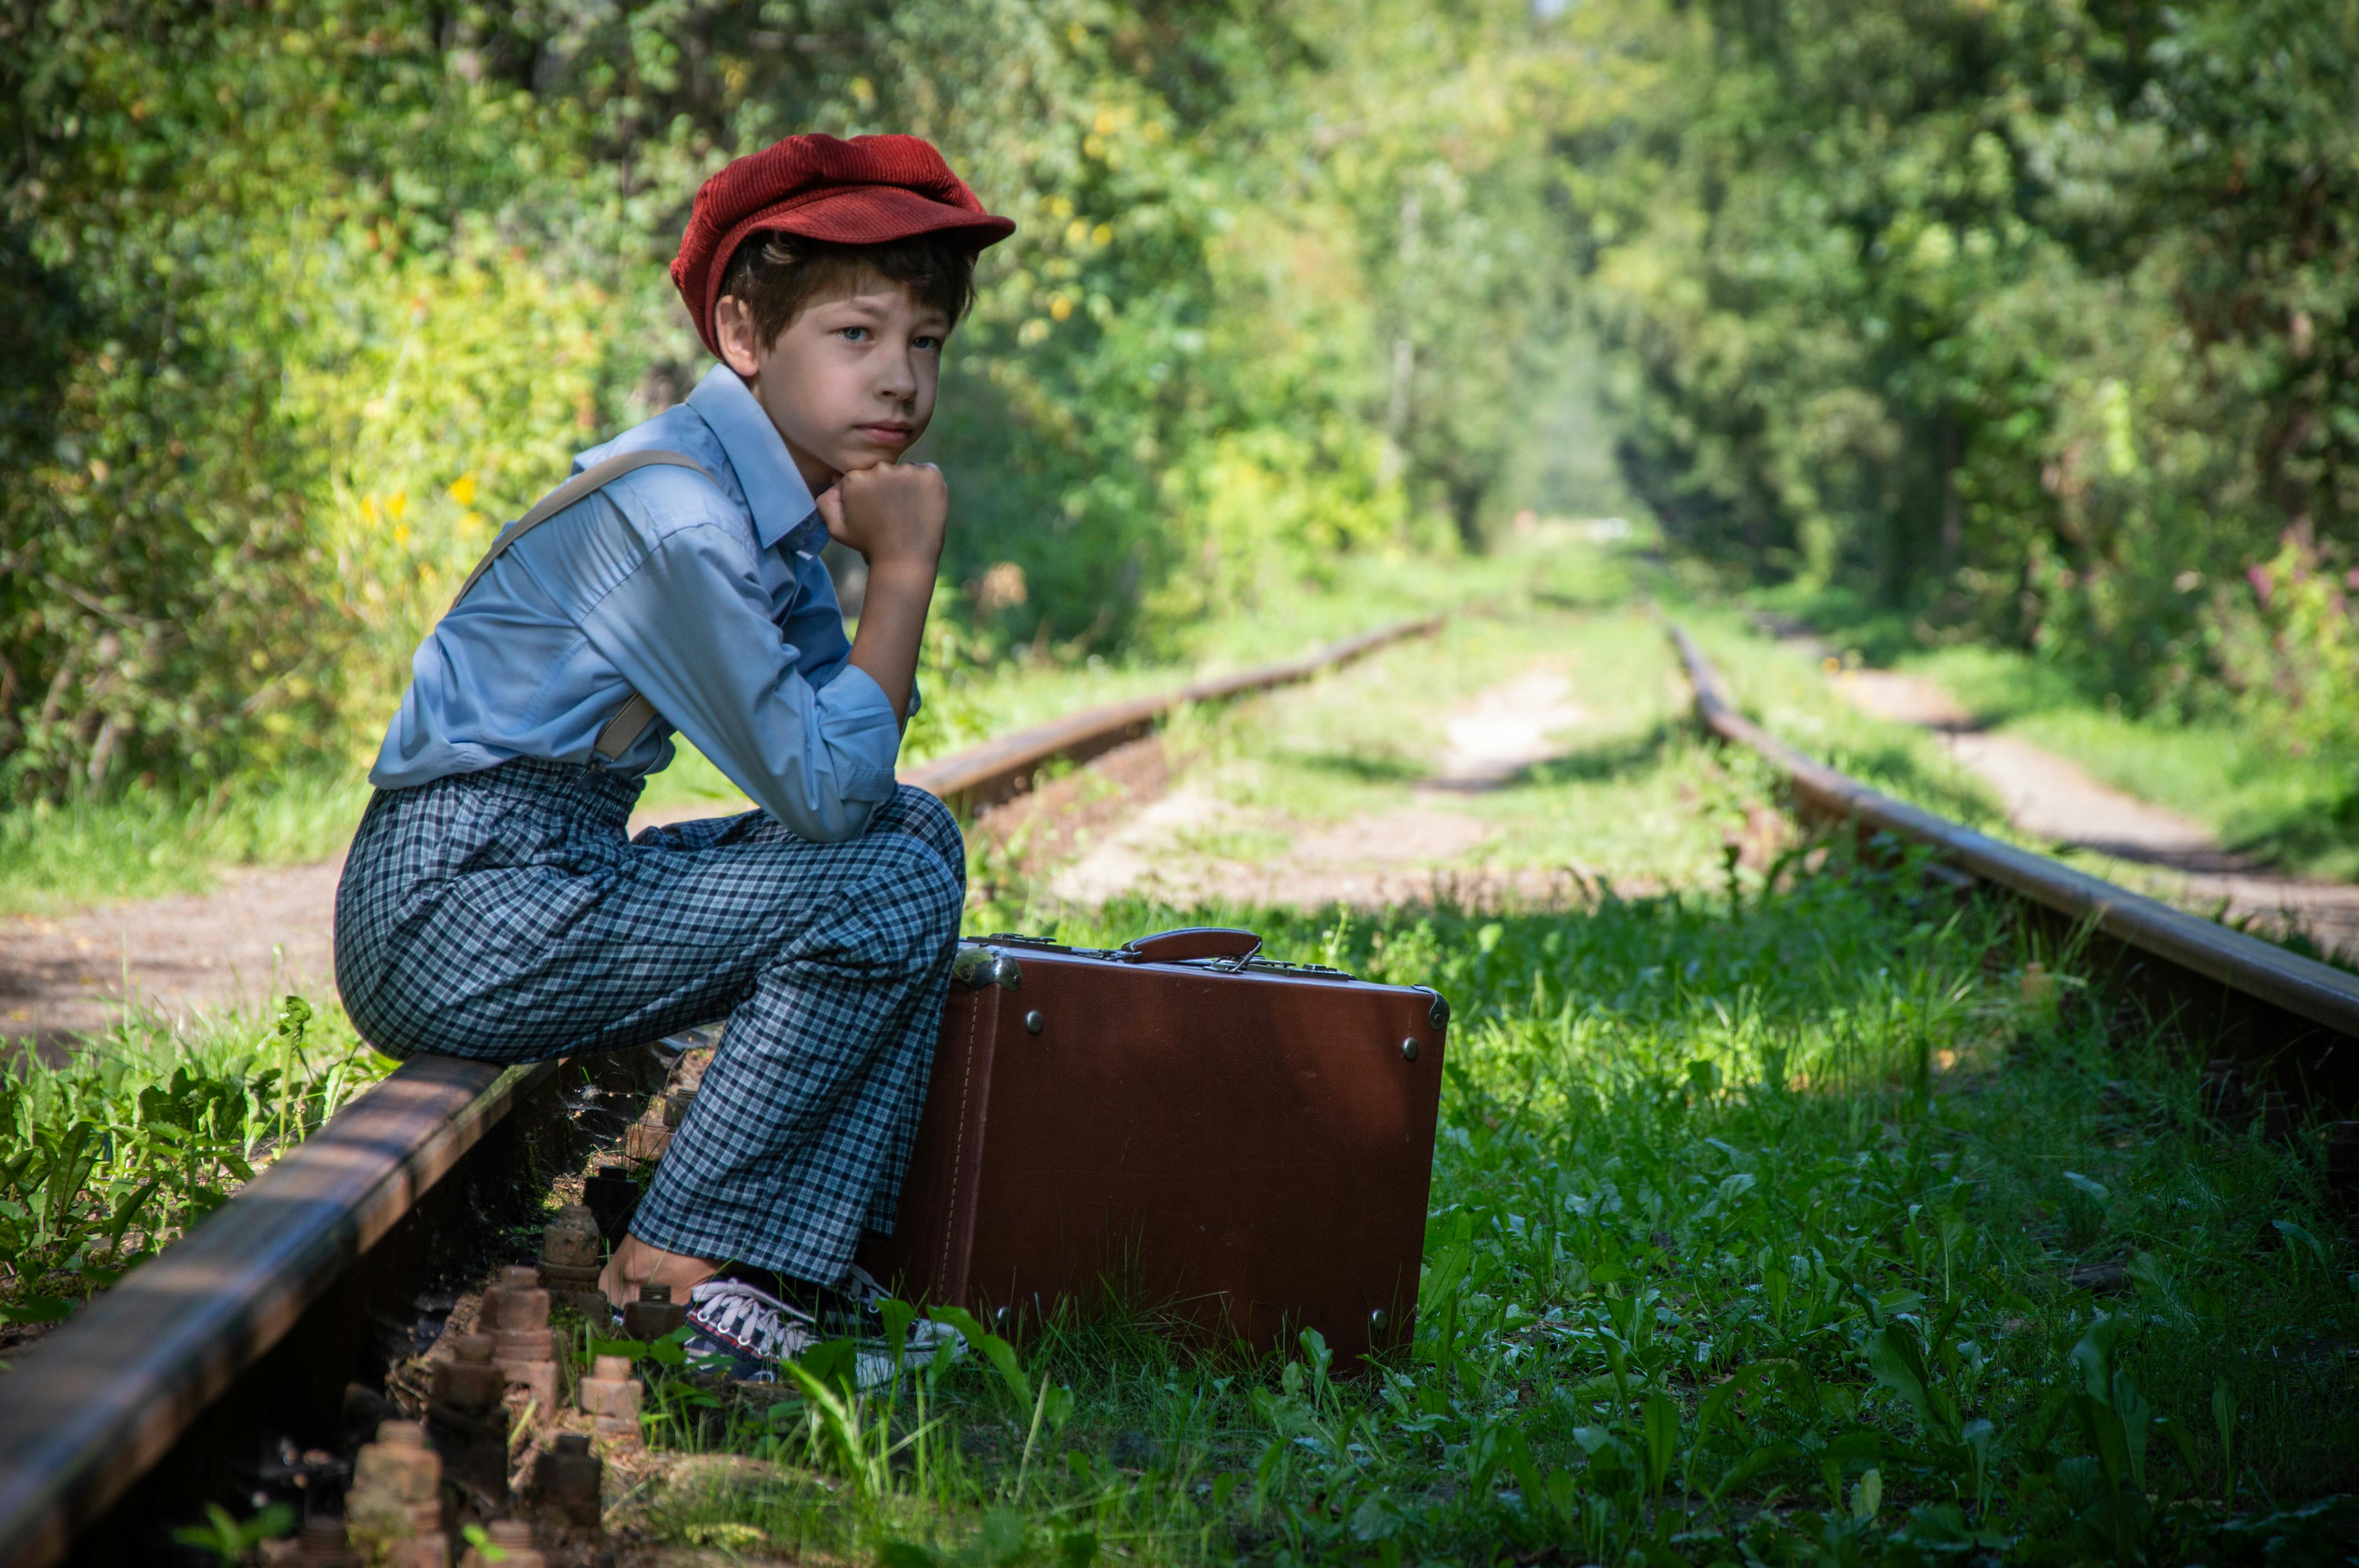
614,737
589,482
632,718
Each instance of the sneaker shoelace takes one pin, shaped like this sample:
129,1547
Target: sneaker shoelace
749,1331
748,1326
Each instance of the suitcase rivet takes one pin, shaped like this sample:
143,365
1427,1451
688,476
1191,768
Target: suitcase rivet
1034,1023
1376,1321
1409,1050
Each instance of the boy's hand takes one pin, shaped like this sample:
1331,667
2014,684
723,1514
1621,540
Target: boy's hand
892,514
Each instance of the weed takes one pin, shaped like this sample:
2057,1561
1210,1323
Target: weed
231,1542
140,1134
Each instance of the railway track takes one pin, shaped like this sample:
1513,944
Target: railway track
322,1270
2279,1015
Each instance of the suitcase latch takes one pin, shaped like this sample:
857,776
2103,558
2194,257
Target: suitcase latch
976,968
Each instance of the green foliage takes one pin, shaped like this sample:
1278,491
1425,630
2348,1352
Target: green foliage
308,297
105,1158
230,1541
215,218
2032,318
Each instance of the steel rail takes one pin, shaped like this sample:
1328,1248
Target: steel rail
2310,990
93,1407
96,1404
997,769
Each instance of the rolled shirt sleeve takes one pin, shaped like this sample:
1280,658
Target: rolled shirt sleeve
691,630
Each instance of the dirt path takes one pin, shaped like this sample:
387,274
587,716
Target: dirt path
1173,847
2052,798
256,934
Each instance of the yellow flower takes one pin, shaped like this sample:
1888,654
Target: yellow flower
1102,234
463,490
397,504
1061,308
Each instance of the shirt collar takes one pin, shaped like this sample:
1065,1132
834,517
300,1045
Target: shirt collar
775,491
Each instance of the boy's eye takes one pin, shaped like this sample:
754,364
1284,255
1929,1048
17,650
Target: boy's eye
853,334
925,343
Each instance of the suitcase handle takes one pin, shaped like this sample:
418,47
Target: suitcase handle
1190,941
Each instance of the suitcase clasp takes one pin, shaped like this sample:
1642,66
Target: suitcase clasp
977,967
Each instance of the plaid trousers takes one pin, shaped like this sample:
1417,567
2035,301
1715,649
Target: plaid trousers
504,915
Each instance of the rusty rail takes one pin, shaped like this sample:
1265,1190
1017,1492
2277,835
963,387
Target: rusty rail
2308,990
102,1400
986,775
93,1407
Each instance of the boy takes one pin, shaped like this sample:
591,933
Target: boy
491,907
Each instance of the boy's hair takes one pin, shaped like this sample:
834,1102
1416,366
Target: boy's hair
776,275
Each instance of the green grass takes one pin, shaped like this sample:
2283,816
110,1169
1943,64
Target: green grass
108,1155
145,843
1748,1243
2295,809
1755,1205
1788,693
1785,690
2301,812
1632,794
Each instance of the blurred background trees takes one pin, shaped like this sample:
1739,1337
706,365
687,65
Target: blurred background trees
2022,319
2031,319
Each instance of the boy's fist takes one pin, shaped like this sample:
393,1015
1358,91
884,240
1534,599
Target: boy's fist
892,514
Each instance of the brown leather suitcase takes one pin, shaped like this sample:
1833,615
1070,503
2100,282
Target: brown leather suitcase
1231,1143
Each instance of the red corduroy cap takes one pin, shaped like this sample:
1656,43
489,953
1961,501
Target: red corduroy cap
869,191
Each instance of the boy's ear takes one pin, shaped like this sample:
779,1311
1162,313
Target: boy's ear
733,324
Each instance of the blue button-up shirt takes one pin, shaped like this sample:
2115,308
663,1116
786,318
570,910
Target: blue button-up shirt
706,596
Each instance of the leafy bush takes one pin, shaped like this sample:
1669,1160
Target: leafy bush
309,296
